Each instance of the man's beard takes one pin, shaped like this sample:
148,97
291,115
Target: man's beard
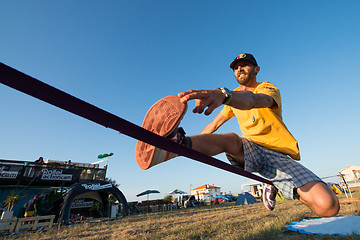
248,77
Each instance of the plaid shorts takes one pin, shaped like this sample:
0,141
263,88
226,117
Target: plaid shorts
285,173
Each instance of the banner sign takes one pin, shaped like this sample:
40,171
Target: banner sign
81,203
48,174
96,187
8,174
23,173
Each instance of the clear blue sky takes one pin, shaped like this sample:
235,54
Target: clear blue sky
122,56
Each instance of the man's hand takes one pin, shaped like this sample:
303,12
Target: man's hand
211,99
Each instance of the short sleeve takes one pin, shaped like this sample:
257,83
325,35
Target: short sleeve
270,90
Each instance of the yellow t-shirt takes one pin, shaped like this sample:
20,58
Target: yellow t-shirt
264,126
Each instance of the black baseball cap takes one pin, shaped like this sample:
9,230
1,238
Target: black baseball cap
243,57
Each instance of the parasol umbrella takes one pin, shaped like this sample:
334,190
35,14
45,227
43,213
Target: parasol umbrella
147,192
177,191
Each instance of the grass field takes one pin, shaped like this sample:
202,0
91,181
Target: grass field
224,221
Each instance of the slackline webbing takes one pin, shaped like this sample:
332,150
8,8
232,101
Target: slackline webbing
33,87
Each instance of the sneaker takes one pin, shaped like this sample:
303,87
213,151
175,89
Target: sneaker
269,196
163,118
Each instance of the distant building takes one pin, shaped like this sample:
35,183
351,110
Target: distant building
205,192
351,174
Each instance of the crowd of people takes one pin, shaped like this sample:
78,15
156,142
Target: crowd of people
41,161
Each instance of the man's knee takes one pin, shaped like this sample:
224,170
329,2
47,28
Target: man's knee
328,206
233,141
320,198
329,202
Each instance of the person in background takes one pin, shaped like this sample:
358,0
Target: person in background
31,207
40,160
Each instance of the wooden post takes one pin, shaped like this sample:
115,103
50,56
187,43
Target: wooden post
32,223
8,224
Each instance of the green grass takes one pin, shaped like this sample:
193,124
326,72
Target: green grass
224,221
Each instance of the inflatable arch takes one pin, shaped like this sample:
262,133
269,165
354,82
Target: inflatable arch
95,189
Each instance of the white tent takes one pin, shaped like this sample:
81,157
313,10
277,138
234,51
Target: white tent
256,187
351,175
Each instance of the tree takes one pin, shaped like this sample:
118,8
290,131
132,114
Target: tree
11,200
112,181
112,198
168,199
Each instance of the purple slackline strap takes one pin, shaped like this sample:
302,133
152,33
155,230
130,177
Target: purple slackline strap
33,87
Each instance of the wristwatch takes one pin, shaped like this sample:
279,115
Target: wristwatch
227,93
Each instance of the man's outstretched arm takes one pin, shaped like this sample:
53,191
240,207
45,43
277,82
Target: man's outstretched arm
213,98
